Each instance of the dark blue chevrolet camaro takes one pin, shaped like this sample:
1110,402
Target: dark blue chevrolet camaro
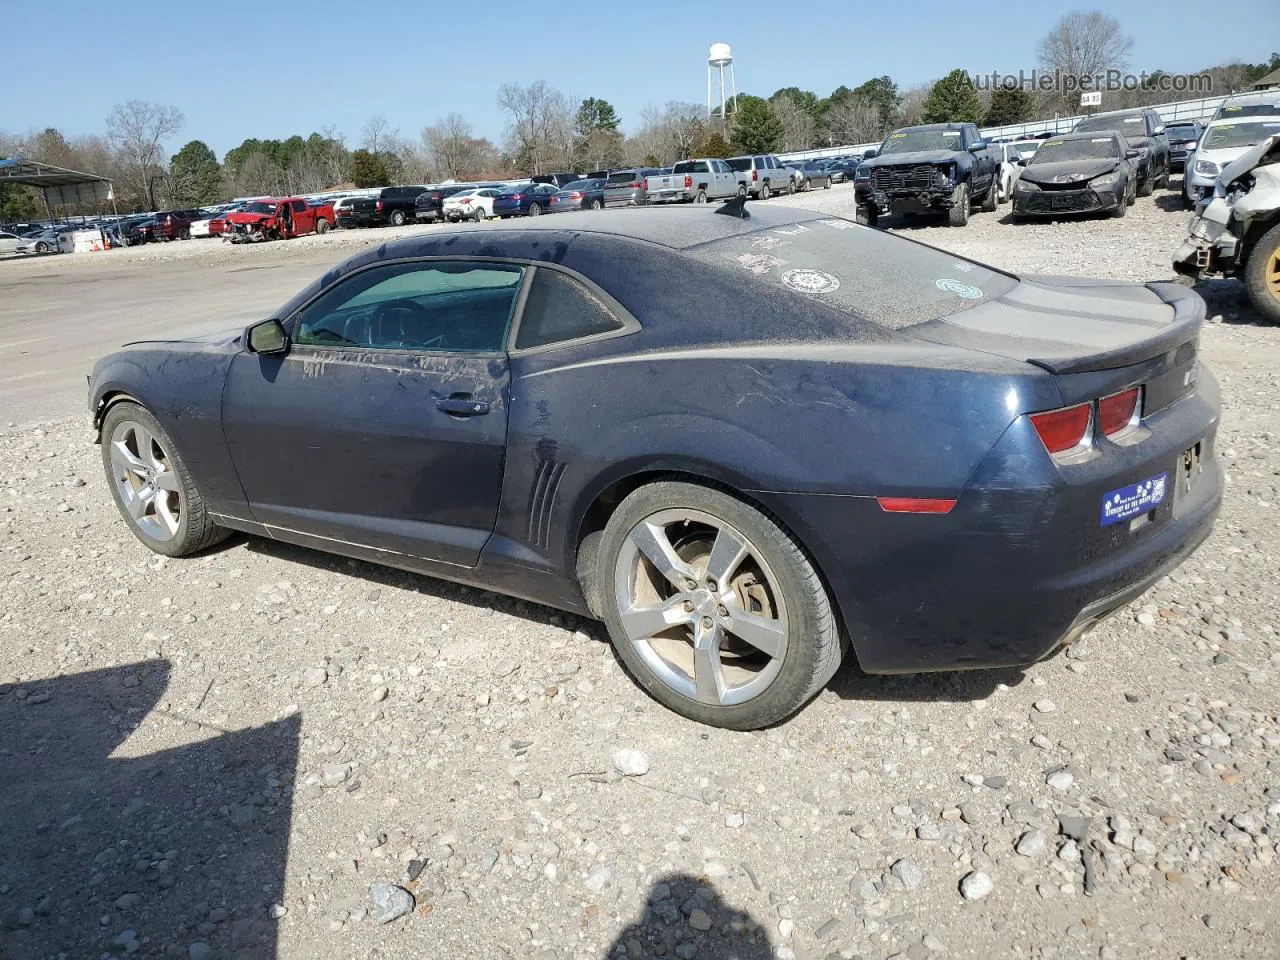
746,444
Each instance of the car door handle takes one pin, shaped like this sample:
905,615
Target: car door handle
463,406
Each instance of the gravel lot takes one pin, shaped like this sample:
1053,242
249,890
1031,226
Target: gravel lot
224,756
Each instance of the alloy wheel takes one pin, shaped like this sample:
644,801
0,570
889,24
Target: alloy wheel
148,486
701,607
1272,274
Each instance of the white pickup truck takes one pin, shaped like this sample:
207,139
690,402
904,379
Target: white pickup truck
694,181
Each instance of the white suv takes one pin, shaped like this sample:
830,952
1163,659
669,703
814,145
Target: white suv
763,174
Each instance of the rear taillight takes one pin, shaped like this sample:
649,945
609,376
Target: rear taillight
688,182
575,196
378,206
637,186
465,200
1065,429
755,175
1118,412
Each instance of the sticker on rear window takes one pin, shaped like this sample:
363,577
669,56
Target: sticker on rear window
810,281
966,291
1134,500
758,263
767,243
839,224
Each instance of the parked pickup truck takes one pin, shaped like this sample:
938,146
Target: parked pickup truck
939,167
694,181
277,219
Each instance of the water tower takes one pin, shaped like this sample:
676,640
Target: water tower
721,56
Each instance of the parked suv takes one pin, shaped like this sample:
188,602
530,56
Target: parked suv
1144,130
763,174
176,224
627,186
559,179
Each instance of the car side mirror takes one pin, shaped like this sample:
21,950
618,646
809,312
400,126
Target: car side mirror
268,337
1157,131
979,146
1132,154
873,152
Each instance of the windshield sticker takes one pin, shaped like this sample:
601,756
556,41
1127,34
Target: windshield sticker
951,133
768,243
1053,143
839,224
896,136
810,281
758,263
1132,119
966,291
792,231
1100,140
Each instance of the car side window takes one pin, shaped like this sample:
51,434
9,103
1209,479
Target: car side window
448,306
298,205
560,308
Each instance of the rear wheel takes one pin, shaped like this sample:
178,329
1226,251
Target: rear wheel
322,225
478,215
765,192
151,485
700,197
397,218
42,247
185,234
715,610
958,215
742,191
1262,274
992,198
827,185
596,204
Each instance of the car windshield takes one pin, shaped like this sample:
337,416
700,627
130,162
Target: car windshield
1133,126
1239,133
1251,110
1086,148
909,141
739,163
260,207
846,266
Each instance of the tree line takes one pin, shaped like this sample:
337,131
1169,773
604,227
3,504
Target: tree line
547,131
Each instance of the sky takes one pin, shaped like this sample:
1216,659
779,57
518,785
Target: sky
272,68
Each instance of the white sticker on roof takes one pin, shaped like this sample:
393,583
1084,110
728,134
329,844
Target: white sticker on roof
966,291
791,231
768,243
810,281
839,224
758,263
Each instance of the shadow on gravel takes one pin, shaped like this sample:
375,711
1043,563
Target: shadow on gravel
1172,203
685,917
146,855
850,683
1228,297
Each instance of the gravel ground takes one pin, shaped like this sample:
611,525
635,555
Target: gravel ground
235,755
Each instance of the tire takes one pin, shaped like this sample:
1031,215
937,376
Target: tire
991,200
742,191
1163,184
322,225
397,218
123,456
793,614
185,234
791,186
866,215
479,217
1262,274
1121,208
535,209
596,205
958,215
1145,187
42,247
700,197
765,191
827,185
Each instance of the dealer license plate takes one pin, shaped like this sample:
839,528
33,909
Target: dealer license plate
1125,503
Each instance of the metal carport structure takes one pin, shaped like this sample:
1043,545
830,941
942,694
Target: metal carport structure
58,185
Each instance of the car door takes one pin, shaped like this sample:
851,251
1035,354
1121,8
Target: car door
304,218
384,425
8,243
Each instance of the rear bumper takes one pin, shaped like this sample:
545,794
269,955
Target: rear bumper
1022,564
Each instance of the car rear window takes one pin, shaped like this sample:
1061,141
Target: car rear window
624,176
739,163
862,271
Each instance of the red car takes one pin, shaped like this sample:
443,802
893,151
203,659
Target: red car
277,219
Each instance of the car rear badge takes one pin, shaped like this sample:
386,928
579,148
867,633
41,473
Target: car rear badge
966,291
810,281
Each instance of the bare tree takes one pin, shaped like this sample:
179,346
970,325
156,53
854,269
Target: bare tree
798,128
1083,44
377,133
137,131
853,121
911,108
453,149
540,130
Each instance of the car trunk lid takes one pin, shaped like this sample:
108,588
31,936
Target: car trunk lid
1094,336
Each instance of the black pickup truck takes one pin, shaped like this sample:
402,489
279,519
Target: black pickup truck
939,167
393,205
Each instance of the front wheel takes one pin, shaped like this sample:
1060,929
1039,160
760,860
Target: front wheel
1145,186
866,215
151,485
958,215
1121,208
1262,274
715,610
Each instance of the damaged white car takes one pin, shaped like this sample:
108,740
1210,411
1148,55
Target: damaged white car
1237,233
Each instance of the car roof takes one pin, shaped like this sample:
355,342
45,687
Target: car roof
1088,135
676,227
931,126
1134,112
